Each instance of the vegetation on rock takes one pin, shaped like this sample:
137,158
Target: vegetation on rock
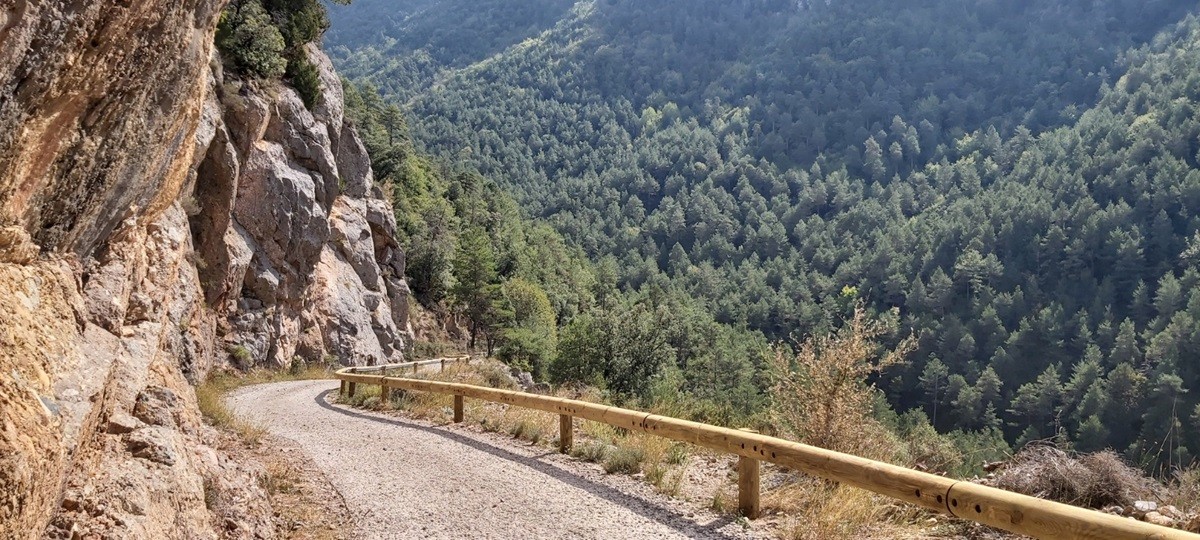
265,39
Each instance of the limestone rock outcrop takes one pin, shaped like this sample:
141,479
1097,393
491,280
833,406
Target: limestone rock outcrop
99,102
159,220
292,231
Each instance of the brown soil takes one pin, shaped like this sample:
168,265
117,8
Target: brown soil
306,505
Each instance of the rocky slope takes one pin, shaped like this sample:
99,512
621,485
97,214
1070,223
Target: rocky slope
158,220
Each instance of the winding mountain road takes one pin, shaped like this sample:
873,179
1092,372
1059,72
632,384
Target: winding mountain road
404,478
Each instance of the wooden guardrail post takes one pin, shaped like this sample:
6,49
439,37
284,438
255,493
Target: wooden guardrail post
458,408
443,364
748,485
566,433
383,391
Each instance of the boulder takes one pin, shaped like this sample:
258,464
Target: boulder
16,246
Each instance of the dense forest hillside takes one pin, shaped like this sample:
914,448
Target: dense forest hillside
1018,179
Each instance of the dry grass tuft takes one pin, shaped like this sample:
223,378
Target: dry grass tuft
210,396
1185,489
821,396
819,510
1091,480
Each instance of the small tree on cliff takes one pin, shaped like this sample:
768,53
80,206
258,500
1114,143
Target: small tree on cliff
250,41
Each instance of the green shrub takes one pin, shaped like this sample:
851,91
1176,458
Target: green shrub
304,78
593,451
250,41
526,430
301,21
242,355
624,460
265,39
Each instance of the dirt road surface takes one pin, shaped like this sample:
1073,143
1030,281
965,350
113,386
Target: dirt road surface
404,478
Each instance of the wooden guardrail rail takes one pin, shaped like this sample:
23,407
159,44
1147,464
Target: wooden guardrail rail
1006,510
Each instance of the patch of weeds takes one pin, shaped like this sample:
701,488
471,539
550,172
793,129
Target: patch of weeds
210,397
496,375
599,431
677,454
242,355
362,395
655,473
593,451
524,429
401,399
624,460
275,481
672,483
720,503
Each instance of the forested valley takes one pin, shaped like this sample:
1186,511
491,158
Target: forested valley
653,197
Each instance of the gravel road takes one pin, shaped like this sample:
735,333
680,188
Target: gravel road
404,478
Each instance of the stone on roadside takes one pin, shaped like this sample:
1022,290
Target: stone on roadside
1158,519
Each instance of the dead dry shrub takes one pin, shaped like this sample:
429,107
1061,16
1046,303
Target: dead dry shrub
820,392
819,510
1090,480
1185,489
821,396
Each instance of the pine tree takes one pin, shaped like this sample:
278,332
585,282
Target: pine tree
1125,348
678,262
873,160
1092,435
476,285
989,386
933,381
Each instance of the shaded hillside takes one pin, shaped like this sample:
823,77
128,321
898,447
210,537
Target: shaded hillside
1048,275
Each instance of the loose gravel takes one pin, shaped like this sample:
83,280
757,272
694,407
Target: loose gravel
405,478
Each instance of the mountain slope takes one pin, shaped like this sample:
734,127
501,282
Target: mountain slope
1049,276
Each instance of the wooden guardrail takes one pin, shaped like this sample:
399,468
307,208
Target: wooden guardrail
1006,510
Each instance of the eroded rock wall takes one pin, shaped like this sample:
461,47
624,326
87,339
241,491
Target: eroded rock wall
297,244
83,83
159,220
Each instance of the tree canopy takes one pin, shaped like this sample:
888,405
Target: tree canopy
1019,179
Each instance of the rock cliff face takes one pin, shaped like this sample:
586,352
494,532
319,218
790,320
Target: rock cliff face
160,219
297,243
